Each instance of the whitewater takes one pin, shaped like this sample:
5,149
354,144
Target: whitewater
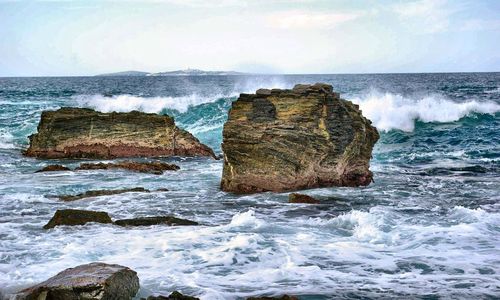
426,228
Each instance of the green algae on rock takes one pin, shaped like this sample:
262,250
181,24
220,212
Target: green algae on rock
161,220
283,140
77,217
86,133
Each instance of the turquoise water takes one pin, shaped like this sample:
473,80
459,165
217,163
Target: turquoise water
428,227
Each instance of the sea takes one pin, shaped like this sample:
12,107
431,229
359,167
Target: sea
427,228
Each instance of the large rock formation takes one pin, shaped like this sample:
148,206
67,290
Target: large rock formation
94,281
282,140
86,133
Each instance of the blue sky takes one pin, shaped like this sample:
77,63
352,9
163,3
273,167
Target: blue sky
50,38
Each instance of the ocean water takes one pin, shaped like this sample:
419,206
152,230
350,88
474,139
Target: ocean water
429,227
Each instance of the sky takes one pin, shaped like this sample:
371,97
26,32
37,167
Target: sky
88,37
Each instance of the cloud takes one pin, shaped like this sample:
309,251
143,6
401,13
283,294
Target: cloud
428,16
479,25
296,19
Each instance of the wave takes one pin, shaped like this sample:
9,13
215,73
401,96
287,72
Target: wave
6,140
127,102
390,111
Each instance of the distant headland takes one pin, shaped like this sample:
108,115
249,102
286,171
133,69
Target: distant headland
186,72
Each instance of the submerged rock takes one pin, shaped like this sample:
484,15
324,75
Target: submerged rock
97,193
301,198
86,133
77,217
284,297
148,221
53,168
173,296
94,281
283,140
155,167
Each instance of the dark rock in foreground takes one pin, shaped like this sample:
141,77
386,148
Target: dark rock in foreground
284,297
86,133
73,217
94,281
301,198
155,167
53,168
307,137
173,296
148,221
97,193
77,217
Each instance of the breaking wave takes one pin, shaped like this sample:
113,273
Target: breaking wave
393,111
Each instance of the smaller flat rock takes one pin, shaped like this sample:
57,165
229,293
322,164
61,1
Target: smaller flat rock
94,281
149,221
97,193
72,217
284,297
53,168
155,167
301,198
174,296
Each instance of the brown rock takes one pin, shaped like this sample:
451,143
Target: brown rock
296,139
77,217
97,193
174,296
86,133
284,297
53,168
94,281
155,167
301,198
148,221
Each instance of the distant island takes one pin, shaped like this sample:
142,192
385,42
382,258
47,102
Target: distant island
187,72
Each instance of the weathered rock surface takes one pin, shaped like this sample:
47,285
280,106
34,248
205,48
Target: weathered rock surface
301,198
77,217
283,140
94,281
53,168
148,221
155,167
97,193
173,296
86,133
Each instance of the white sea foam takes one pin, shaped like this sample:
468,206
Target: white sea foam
6,140
393,111
126,102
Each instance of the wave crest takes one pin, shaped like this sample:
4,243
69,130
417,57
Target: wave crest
393,111
126,103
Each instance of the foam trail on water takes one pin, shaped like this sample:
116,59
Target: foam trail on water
393,111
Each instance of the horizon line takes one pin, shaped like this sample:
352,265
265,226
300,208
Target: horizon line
247,74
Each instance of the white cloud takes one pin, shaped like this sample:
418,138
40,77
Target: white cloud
479,24
296,19
428,16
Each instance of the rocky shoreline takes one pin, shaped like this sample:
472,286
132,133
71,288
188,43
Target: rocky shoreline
274,140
